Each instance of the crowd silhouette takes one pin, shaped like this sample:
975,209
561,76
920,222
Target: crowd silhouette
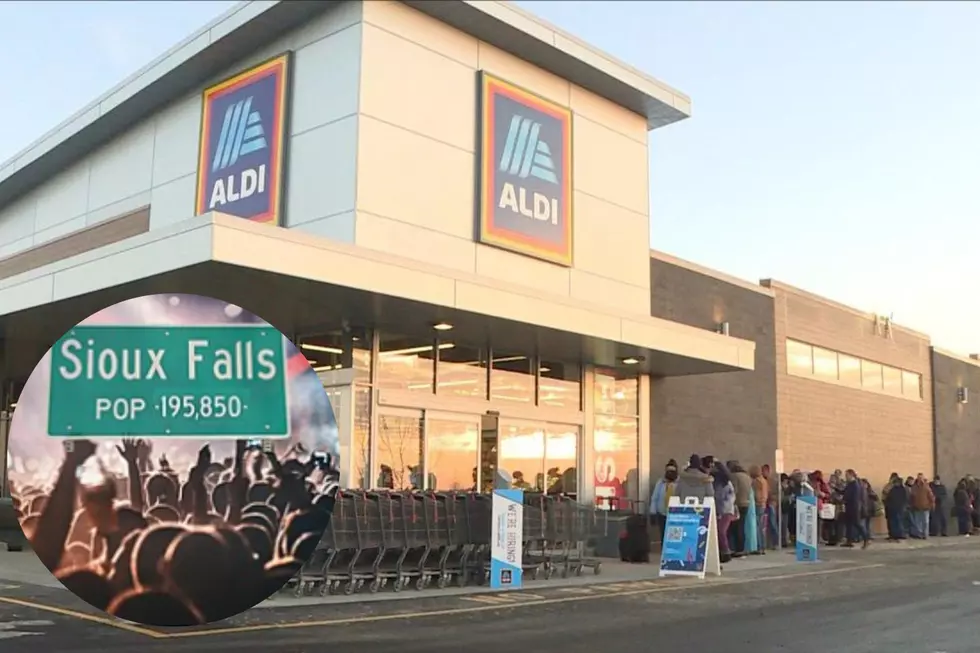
157,549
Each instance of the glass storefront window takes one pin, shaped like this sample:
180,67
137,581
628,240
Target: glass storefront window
512,378
520,456
451,453
462,372
406,363
911,385
892,378
361,438
850,369
399,452
825,364
560,385
799,358
616,449
871,375
561,459
616,394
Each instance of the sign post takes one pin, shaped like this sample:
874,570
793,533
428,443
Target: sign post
807,532
169,381
690,546
507,539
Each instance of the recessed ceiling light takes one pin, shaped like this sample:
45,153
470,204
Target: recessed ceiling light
442,326
630,361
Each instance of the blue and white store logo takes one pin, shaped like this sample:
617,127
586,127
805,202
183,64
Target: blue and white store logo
525,203
242,132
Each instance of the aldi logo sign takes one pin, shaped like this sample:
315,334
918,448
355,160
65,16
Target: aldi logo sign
240,167
526,158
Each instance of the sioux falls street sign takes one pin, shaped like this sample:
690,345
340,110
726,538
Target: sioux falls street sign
172,381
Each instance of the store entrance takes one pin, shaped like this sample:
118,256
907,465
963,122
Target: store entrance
529,455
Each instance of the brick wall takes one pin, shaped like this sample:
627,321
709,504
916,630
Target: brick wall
957,425
827,426
729,415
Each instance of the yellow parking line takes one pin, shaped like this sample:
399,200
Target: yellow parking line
104,621
653,589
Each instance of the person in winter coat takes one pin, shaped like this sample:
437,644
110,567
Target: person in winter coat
693,481
922,503
962,507
742,483
938,524
896,500
666,488
823,493
873,508
855,501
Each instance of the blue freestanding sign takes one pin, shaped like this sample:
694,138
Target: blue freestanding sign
690,546
806,528
507,539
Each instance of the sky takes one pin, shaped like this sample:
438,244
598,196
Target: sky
833,146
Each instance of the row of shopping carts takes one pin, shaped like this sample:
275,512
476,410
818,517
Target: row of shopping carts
400,539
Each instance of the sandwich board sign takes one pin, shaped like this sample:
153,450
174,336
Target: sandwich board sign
690,546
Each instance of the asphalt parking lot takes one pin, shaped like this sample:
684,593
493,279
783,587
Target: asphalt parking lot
878,599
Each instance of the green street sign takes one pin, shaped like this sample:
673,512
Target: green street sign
169,381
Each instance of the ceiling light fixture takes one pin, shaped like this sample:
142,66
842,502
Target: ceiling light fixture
631,361
329,350
443,326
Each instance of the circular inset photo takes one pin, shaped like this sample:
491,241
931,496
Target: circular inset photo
173,460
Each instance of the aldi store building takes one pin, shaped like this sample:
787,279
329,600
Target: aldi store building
418,193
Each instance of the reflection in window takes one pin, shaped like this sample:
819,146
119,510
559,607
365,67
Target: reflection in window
561,459
617,394
799,358
450,454
616,449
512,378
406,363
560,385
361,357
399,452
520,456
462,372
849,369
825,363
911,385
892,380
871,375
361,438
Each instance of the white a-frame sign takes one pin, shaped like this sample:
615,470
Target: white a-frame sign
690,546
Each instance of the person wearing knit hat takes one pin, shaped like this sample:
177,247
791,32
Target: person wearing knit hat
694,481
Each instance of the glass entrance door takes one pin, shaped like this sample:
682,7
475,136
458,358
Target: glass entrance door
451,451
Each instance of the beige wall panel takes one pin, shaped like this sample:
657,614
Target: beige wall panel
414,179
406,84
523,74
609,166
602,111
611,241
408,23
621,296
499,264
387,235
